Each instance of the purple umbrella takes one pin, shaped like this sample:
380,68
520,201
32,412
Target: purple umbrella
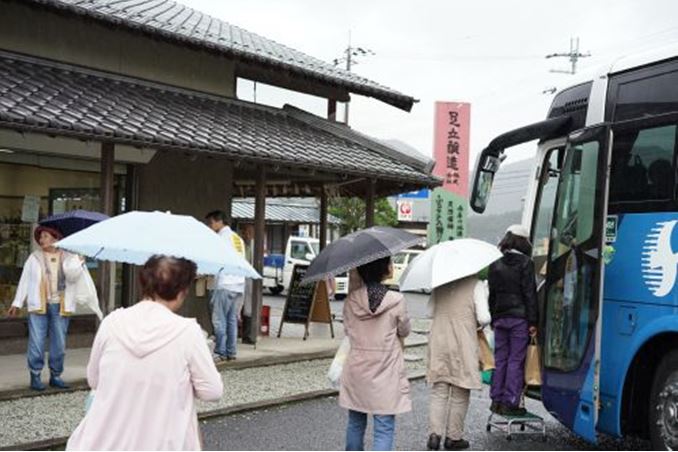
71,222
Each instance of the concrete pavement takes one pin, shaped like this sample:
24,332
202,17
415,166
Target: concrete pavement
46,421
270,350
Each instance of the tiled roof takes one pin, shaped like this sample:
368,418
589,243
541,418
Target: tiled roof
343,131
277,211
171,20
63,100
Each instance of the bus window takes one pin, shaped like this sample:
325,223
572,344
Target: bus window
642,169
639,94
570,297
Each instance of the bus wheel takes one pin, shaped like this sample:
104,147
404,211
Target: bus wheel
664,404
277,290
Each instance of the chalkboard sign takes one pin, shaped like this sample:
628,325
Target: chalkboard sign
306,303
299,298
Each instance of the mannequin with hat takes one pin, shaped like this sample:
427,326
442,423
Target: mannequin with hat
48,288
513,306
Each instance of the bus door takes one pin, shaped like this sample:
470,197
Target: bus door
570,333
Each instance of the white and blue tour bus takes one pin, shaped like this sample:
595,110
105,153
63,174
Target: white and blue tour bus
602,208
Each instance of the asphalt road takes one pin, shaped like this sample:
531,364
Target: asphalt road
320,425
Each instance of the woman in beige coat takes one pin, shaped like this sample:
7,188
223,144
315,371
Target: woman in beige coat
459,308
374,380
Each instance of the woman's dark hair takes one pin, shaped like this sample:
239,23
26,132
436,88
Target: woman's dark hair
165,277
515,242
375,272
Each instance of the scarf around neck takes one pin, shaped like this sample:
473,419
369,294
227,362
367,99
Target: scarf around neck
61,279
375,295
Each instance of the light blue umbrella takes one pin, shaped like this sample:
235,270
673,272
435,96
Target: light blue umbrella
135,236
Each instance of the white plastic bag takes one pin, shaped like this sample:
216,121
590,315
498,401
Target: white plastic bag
337,366
89,400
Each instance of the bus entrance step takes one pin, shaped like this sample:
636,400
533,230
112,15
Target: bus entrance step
525,424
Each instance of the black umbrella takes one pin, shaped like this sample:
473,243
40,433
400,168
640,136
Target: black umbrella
359,248
73,221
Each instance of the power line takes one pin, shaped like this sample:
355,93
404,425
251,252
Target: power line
458,57
350,53
646,39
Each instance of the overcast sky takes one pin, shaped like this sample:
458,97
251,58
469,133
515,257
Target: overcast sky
488,53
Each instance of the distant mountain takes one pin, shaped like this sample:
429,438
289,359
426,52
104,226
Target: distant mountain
506,202
406,149
492,228
510,186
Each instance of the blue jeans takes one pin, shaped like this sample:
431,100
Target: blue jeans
225,321
39,326
384,429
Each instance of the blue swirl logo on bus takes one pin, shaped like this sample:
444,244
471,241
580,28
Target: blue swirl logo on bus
659,262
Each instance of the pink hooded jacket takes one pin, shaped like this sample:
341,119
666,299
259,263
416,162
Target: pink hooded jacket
374,379
147,366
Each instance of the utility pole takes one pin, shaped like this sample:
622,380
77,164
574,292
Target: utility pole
573,55
349,54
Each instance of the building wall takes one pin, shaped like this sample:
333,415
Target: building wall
29,30
187,185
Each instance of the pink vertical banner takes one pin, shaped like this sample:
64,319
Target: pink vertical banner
451,145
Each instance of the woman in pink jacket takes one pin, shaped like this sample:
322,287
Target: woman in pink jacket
374,380
147,366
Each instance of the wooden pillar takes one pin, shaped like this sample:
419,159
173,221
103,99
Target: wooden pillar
258,255
286,235
332,109
129,280
106,274
323,218
370,203
228,206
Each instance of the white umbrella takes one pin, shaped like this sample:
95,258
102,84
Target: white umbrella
135,236
447,262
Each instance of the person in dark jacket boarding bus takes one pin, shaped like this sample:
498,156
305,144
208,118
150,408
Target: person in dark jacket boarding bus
513,306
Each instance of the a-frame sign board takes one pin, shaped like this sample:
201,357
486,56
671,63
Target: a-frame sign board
307,303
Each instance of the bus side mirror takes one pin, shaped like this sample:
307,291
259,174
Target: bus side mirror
488,166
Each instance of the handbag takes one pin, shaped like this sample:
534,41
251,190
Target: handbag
533,364
86,293
337,366
485,354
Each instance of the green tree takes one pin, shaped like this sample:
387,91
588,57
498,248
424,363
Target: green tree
351,212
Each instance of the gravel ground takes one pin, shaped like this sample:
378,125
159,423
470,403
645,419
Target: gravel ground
45,417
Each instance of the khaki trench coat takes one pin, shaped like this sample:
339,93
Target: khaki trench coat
453,342
374,379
